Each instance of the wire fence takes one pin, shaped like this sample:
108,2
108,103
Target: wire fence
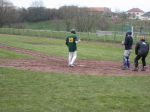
106,36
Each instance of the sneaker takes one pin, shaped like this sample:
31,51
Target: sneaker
125,68
143,69
71,65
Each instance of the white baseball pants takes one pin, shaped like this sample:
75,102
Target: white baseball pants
72,57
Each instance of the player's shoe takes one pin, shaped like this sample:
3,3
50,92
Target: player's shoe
143,69
125,68
71,65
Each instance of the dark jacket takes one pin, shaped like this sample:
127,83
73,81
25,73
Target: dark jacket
141,48
128,42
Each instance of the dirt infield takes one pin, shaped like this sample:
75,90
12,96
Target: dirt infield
47,63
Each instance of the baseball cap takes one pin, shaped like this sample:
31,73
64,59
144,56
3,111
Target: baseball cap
73,31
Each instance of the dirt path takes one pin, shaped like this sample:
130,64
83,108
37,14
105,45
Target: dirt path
47,63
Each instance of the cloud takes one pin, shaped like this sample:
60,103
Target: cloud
122,5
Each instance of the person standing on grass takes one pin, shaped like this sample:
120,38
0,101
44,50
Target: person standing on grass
141,51
128,42
71,42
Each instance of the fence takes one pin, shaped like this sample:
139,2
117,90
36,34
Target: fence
107,36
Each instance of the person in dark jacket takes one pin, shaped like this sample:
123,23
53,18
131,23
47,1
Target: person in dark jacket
141,51
128,42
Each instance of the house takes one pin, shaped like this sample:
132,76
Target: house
99,10
146,16
135,13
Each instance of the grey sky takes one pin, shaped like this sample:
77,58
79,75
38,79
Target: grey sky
121,5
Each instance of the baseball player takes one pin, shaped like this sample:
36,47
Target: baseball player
71,42
128,42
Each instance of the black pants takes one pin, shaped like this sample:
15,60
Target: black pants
143,56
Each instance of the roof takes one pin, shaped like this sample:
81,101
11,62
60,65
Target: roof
135,10
147,14
99,9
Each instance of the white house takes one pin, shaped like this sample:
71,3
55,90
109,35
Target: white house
146,16
135,13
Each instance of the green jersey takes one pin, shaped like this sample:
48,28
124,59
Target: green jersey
71,42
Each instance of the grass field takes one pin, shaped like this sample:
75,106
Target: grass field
11,55
23,91
26,91
44,25
116,37
56,47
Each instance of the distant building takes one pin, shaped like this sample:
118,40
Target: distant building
146,16
135,13
99,10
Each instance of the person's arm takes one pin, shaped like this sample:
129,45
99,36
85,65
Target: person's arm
148,46
126,41
136,48
67,41
77,40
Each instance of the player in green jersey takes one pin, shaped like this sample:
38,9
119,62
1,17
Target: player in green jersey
71,42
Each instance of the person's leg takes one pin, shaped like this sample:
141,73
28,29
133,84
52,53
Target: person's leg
136,62
70,58
126,60
74,57
143,62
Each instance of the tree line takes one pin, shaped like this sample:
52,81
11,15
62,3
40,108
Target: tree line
11,14
72,16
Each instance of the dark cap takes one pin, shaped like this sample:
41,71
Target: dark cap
73,31
128,33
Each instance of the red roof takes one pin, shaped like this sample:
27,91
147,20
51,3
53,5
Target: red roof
135,10
99,9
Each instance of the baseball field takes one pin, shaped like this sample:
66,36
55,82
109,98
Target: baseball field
34,77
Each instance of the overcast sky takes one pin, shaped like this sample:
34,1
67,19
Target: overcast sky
115,5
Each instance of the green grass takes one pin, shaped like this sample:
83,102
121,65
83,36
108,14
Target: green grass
56,47
33,32
114,38
11,55
38,25
44,45
22,91
44,25
26,91
48,25
86,50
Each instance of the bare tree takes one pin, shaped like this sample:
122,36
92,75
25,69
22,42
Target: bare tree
3,10
68,14
6,12
86,21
